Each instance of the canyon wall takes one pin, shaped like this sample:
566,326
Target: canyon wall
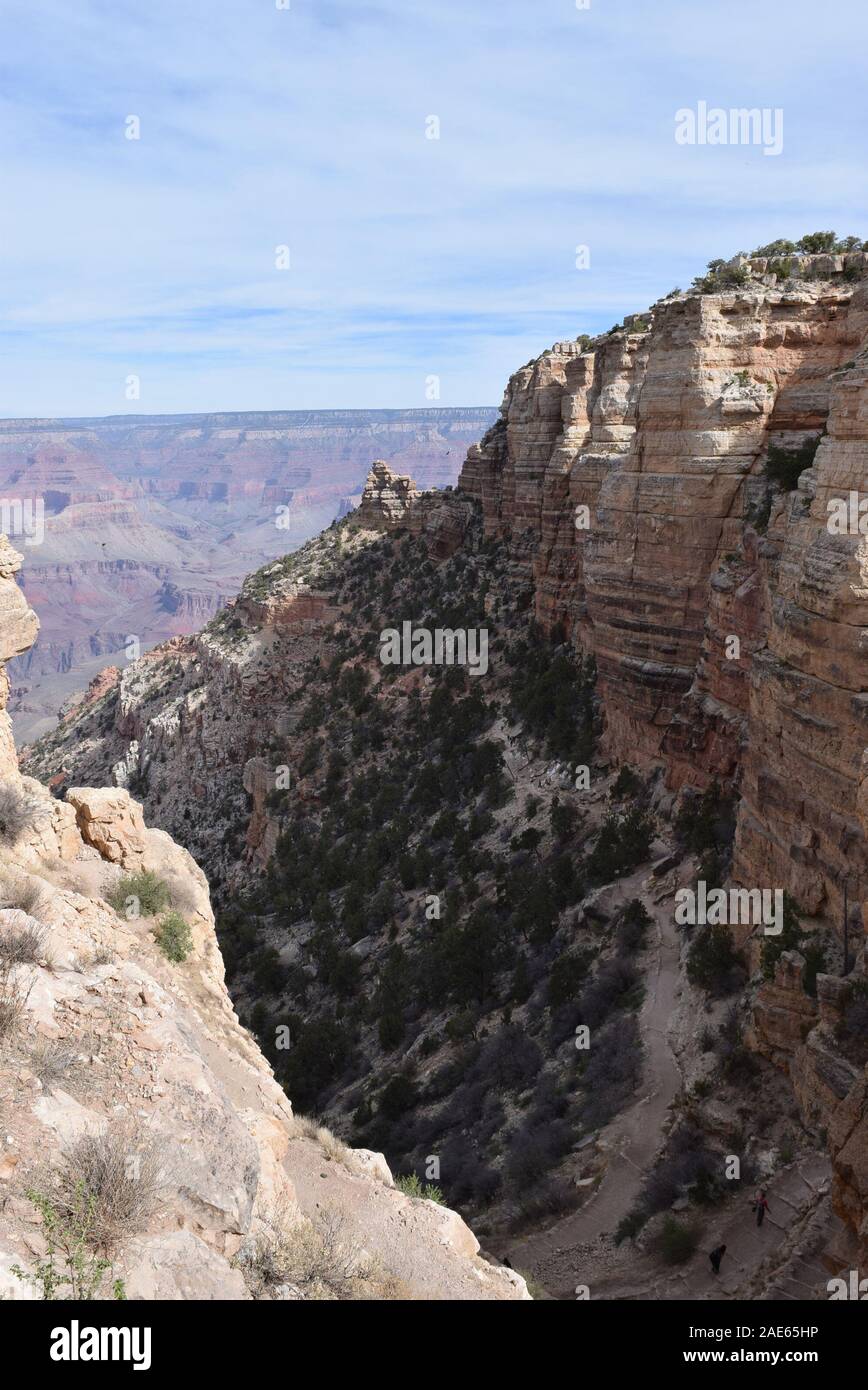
143,527
662,431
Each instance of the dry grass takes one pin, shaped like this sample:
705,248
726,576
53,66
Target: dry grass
100,955
122,1174
321,1261
306,1127
53,1062
15,990
24,945
26,893
19,812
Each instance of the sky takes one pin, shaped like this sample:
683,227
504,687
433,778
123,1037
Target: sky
421,271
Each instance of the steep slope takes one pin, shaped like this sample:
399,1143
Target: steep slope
140,1122
657,501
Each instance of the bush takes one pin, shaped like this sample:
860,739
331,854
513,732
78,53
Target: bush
789,939
627,784
115,1178
613,1071
508,1061
23,945
52,1062
68,1261
633,927
319,1260
411,1186
534,1149
676,1242
398,1096
567,975
19,811
706,822
14,993
139,895
174,937
713,964
624,842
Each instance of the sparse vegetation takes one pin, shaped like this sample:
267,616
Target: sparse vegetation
19,812
53,1062
108,1186
319,1261
412,1186
69,1269
174,937
676,1241
142,894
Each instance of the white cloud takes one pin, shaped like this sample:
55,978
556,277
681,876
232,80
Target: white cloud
307,127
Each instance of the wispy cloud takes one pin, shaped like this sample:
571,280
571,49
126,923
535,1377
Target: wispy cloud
306,127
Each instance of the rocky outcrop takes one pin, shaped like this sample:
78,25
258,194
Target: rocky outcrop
386,499
113,1053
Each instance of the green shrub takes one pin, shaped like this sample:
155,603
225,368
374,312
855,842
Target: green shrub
706,822
69,1269
148,892
174,937
713,964
676,1241
789,939
397,1096
624,842
627,783
410,1185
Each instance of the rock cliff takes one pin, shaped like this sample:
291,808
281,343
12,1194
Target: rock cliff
638,476
137,1114
661,497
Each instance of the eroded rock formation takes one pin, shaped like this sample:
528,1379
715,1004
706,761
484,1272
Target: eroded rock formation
386,499
107,1042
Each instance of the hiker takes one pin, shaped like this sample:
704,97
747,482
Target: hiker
716,1256
760,1206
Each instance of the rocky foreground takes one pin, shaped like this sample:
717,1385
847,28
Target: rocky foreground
139,1121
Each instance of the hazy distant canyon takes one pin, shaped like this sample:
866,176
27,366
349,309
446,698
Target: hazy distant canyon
139,528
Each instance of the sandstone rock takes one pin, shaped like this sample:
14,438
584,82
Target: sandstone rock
112,822
386,499
375,1164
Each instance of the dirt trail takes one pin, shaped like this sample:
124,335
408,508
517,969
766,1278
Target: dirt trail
560,1258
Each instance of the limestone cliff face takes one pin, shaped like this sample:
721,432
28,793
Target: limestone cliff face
662,431
108,1048
632,479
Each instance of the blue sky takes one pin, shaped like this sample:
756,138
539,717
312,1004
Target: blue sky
409,257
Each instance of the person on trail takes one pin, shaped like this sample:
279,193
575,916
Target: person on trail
760,1206
716,1256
